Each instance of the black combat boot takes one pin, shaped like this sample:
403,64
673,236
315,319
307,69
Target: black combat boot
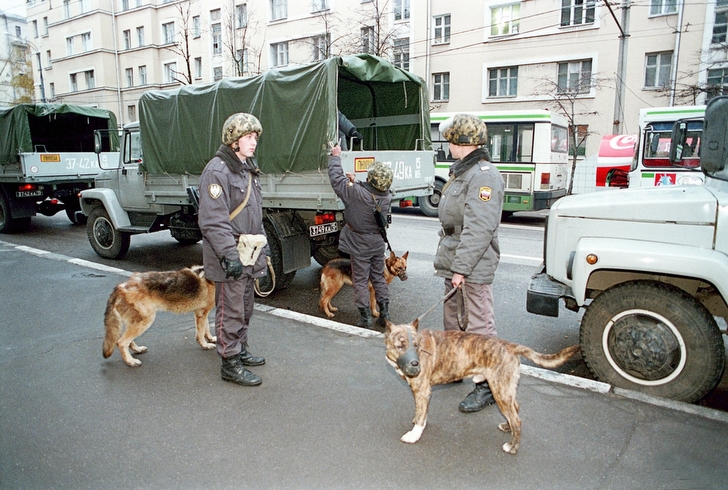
233,370
366,318
383,314
477,399
249,359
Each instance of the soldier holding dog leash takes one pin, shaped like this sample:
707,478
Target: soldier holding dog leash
231,206
468,252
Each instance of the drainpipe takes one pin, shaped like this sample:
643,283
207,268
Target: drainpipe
122,116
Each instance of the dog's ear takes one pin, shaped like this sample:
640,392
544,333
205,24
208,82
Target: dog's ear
392,256
405,255
416,324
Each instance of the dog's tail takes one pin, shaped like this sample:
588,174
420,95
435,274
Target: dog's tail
112,322
548,360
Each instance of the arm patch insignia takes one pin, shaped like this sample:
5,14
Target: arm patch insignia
484,194
215,190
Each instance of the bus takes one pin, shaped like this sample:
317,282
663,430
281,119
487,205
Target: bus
651,166
530,148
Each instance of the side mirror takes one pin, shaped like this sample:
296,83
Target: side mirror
677,141
713,152
98,142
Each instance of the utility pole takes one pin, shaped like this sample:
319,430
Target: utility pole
618,124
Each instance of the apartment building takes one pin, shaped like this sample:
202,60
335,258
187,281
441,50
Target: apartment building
13,58
603,62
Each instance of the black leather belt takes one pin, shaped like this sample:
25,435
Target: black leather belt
452,230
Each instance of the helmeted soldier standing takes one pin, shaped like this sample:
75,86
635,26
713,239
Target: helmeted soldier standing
468,252
229,180
361,238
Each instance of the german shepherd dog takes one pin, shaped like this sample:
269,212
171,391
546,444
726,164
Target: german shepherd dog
428,357
135,303
337,272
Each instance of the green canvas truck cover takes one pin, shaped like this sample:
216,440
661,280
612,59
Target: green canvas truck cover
31,128
297,107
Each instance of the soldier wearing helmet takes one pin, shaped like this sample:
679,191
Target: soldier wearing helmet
228,181
468,252
361,238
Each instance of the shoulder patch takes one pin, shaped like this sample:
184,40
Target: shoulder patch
215,190
484,166
484,193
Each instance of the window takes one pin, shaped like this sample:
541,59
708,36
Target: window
143,75
401,53
577,12
127,39
49,59
505,19
320,47
657,69
124,4
217,73
74,82
131,113
368,40
319,5
168,33
196,26
17,31
440,86
198,68
53,90
86,42
215,15
278,9
243,60
140,36
717,82
241,16
69,46
279,54
575,76
90,80
216,33
503,82
581,134
170,72
66,9
663,7
442,29
401,9
129,77
721,22
84,6
45,26
34,24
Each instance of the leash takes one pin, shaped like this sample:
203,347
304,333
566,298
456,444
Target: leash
462,307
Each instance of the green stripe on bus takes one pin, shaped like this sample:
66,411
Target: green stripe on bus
501,117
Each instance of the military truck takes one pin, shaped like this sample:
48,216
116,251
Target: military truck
46,158
153,186
650,269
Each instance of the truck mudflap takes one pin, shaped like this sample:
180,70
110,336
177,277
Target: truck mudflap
544,293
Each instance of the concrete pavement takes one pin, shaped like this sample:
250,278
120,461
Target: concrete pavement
329,413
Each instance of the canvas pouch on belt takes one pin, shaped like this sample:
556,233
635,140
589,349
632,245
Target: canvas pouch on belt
250,246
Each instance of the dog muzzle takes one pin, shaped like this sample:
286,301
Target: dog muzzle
409,362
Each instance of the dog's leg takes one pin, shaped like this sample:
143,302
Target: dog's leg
126,342
203,329
329,289
422,401
505,397
373,301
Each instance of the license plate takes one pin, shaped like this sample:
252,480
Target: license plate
28,193
317,230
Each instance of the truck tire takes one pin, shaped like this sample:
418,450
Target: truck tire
8,224
428,204
276,259
653,338
107,241
329,251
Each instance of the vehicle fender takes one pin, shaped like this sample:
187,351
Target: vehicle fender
107,197
650,257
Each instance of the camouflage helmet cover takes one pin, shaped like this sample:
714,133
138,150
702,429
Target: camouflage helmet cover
464,129
238,125
380,176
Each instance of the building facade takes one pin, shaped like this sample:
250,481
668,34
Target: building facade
13,60
599,63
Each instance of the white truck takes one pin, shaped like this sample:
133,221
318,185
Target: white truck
46,158
650,269
153,186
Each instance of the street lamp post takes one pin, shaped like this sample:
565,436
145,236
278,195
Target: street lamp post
40,71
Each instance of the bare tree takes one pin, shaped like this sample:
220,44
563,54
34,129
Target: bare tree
181,46
241,27
567,101
22,80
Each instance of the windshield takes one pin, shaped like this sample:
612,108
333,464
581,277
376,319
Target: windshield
656,151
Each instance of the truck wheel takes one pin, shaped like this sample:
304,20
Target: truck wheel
276,260
324,253
8,224
654,338
106,240
428,204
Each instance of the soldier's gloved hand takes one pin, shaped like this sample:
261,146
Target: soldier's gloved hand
233,268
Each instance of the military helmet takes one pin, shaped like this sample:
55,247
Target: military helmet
238,125
464,129
380,176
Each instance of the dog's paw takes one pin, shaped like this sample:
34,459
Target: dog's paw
510,449
133,362
207,346
333,308
375,314
414,435
504,427
137,349
330,315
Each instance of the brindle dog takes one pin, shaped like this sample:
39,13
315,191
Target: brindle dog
135,303
337,272
431,357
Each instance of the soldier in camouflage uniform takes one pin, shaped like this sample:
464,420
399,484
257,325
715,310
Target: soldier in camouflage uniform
360,238
224,184
468,252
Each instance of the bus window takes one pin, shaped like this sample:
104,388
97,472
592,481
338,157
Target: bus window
559,139
510,142
656,151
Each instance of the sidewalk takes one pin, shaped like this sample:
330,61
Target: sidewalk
329,413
